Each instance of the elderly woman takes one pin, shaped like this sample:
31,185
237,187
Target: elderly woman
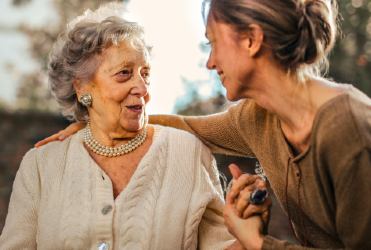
120,183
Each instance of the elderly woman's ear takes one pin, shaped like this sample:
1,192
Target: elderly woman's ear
82,92
78,88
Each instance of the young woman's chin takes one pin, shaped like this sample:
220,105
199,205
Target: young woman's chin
233,96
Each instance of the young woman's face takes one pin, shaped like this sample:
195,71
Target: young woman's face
229,58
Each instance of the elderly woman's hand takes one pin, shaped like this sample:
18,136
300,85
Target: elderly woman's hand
63,134
241,189
248,231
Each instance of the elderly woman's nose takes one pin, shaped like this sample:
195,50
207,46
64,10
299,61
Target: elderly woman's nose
140,88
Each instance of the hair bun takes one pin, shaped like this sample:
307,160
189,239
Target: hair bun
315,34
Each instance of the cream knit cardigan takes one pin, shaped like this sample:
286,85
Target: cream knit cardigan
173,201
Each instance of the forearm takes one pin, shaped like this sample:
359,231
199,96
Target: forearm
270,243
217,132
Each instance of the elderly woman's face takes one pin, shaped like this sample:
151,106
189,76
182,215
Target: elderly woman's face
120,89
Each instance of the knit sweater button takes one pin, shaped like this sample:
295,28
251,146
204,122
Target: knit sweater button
103,246
106,210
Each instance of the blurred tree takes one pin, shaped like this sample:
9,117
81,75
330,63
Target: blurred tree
192,103
33,91
20,2
350,62
206,107
3,105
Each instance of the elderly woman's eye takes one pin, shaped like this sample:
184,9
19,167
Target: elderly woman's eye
123,75
125,72
146,75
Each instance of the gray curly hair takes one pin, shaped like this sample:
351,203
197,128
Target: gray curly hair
75,55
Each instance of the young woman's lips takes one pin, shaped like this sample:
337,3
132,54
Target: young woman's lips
138,109
223,79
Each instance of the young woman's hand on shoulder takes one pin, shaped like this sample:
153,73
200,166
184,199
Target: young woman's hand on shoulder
63,134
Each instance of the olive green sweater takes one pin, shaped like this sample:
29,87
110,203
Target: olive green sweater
334,172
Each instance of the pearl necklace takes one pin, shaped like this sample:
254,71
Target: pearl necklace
100,149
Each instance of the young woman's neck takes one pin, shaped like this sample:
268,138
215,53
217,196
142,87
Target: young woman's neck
294,103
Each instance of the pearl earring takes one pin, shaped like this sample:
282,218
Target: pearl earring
85,99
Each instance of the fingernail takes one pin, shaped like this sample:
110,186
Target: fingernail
232,193
62,137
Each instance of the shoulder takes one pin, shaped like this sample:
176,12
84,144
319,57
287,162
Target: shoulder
252,118
342,128
173,134
181,142
360,109
49,156
36,163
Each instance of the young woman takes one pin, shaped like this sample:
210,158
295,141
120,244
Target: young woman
311,135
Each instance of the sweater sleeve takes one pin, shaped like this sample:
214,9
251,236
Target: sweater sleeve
221,132
352,186
271,243
21,223
352,195
212,234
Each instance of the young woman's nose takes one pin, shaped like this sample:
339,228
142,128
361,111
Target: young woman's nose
210,64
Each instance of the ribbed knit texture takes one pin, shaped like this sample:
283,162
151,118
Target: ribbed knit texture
335,170
173,200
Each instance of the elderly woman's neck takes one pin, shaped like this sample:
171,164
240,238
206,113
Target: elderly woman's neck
112,137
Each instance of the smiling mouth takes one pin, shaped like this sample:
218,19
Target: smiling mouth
222,78
136,108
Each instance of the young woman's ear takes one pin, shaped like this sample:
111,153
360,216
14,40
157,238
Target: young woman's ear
254,39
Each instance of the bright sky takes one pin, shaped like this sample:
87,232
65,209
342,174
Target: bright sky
174,28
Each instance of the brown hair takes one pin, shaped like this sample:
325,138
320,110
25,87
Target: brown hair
300,33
